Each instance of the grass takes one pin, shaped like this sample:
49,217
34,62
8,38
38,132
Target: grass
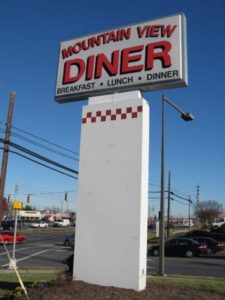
204,284
9,281
46,230
35,277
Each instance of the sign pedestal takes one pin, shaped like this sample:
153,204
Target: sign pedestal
111,223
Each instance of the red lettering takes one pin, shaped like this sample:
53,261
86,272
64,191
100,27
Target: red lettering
102,62
128,60
141,31
67,52
163,55
168,30
127,57
156,31
79,64
90,67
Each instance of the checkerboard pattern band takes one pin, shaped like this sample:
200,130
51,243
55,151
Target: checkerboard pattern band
112,114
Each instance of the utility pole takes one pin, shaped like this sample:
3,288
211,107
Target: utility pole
15,198
66,199
168,209
8,205
197,201
189,213
15,192
6,151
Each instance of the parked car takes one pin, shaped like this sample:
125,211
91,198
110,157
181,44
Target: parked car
8,238
218,235
61,223
40,224
218,222
181,246
69,240
151,226
10,224
213,245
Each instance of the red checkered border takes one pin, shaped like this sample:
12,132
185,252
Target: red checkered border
112,115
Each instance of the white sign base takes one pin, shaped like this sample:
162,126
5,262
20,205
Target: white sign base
111,227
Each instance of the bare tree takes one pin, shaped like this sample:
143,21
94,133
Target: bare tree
208,210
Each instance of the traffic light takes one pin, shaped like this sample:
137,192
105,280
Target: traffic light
28,198
66,196
9,198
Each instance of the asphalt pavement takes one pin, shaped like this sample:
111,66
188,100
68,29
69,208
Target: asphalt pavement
46,250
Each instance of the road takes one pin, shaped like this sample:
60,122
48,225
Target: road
46,250
212,266
41,250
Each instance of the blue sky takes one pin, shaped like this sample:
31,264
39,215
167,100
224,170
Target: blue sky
30,34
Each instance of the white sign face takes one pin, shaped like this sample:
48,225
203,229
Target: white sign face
146,56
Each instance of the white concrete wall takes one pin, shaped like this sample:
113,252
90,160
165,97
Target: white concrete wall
111,227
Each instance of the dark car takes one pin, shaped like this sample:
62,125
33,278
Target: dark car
10,224
181,247
69,240
213,245
151,226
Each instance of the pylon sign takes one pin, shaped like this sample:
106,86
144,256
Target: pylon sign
145,56
110,249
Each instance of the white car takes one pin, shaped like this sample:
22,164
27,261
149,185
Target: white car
39,225
61,223
218,222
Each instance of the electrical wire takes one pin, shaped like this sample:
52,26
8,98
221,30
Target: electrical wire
40,145
180,197
39,163
185,195
180,202
44,140
23,149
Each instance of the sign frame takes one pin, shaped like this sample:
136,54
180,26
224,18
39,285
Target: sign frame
84,73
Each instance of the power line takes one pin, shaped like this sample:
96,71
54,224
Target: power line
44,140
40,145
178,196
43,189
157,192
43,193
39,163
180,202
184,194
23,149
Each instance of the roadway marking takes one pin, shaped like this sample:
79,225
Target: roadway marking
148,268
10,251
61,250
28,247
29,256
150,259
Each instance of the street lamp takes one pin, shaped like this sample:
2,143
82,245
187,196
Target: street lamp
186,116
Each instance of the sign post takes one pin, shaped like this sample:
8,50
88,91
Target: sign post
17,205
